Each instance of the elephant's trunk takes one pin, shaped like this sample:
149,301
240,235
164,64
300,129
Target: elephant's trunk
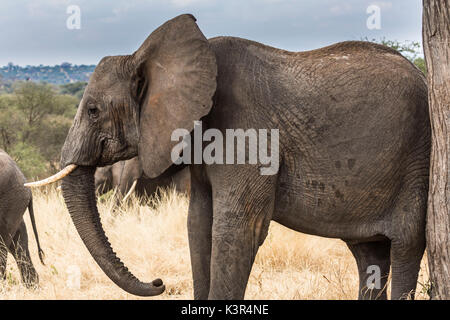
79,195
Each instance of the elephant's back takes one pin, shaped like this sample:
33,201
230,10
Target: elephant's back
14,196
362,99
11,177
323,97
360,130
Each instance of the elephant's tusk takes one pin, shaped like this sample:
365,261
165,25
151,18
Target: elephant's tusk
133,186
64,172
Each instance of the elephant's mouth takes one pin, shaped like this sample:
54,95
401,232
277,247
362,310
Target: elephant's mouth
113,150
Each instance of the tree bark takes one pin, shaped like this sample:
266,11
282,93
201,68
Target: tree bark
436,41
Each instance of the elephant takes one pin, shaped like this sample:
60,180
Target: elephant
105,177
14,200
128,176
351,134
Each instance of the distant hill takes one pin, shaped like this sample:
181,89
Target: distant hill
58,74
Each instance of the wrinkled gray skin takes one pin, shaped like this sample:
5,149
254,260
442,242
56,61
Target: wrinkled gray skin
122,174
14,200
354,137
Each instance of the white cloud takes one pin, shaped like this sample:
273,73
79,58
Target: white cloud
45,8
383,4
186,3
341,9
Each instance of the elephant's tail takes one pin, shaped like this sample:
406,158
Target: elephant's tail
33,223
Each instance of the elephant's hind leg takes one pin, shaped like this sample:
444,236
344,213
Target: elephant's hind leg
408,241
373,262
405,270
20,252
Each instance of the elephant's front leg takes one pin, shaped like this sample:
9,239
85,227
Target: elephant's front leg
240,224
199,233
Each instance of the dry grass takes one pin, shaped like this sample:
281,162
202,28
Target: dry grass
153,243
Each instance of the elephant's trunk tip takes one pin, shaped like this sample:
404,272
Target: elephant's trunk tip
154,288
157,283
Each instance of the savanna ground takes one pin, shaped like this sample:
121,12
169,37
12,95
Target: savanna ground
152,242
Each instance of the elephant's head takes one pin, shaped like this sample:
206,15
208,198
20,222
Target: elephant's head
133,103
130,107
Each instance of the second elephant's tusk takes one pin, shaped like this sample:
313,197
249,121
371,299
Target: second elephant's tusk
64,172
133,186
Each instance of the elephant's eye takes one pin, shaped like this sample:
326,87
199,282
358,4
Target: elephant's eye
93,112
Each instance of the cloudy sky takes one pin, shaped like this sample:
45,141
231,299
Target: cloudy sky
35,31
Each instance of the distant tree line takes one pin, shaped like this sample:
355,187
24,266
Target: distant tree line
58,74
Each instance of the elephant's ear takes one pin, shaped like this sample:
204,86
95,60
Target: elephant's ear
175,84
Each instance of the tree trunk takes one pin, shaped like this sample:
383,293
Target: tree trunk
436,41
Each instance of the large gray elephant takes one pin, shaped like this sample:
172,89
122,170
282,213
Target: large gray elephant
354,144
128,177
14,200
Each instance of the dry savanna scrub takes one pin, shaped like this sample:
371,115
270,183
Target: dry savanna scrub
151,239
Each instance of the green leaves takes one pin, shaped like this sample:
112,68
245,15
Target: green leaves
412,50
75,89
29,159
420,63
34,121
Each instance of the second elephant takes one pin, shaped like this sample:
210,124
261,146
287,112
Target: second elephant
127,175
14,200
